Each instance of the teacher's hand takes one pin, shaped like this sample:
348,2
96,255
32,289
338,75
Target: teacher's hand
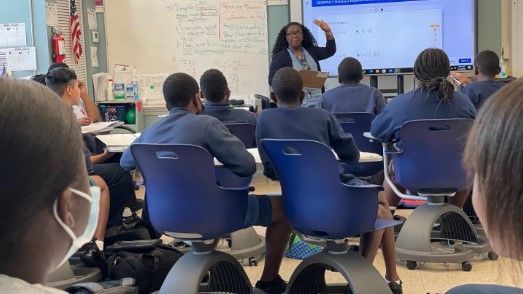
323,25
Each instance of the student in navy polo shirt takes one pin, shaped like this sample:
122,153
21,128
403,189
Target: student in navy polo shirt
486,69
435,98
352,96
183,125
215,90
291,121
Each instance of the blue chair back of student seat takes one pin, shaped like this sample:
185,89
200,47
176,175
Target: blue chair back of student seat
315,200
182,193
357,123
431,155
244,132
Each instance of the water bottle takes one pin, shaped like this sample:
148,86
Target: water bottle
119,90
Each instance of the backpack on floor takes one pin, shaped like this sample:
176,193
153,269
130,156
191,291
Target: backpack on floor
147,261
298,249
128,231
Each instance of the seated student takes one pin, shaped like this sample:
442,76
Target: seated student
86,111
39,79
434,99
65,83
493,158
45,201
216,92
486,69
184,126
291,121
352,96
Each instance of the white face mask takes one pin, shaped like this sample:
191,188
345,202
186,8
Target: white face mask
88,234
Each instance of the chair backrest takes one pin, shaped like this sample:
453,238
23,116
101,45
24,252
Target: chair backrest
315,200
244,132
431,157
182,194
357,123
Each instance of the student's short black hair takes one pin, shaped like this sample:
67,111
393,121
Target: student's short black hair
350,71
57,65
39,79
287,85
214,86
59,78
487,63
179,89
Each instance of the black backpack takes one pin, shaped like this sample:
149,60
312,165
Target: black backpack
131,230
147,261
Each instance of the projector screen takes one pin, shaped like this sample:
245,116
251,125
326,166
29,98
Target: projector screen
387,35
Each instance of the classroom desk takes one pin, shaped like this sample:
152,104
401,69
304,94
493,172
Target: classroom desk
101,127
117,143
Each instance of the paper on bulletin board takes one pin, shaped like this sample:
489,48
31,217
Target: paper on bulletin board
91,19
12,35
277,2
51,11
3,61
94,56
19,59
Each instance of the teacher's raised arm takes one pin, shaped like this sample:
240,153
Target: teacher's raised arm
296,47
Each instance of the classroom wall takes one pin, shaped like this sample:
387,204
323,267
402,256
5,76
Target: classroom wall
489,25
32,13
88,43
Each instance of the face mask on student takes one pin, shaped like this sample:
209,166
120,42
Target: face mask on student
86,237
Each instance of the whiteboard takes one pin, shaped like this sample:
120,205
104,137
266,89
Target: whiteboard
167,36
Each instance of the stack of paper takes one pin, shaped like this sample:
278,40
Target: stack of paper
101,127
118,142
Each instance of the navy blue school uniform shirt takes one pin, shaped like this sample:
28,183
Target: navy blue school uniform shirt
354,97
303,123
225,113
479,92
184,127
419,104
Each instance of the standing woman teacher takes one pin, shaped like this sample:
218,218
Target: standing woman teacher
296,47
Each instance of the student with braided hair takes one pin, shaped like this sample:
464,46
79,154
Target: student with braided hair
435,98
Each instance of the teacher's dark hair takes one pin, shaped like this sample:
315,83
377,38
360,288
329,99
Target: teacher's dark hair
281,40
43,155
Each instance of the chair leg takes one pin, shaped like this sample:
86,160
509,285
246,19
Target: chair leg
361,276
225,274
414,243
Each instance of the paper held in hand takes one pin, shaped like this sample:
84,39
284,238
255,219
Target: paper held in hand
313,79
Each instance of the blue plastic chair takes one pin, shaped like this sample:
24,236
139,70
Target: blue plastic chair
357,123
227,179
429,165
244,132
319,206
185,202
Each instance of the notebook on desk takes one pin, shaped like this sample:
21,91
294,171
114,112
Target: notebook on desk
100,127
118,140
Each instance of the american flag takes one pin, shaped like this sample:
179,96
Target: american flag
75,32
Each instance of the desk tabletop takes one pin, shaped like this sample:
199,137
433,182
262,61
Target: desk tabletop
117,143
